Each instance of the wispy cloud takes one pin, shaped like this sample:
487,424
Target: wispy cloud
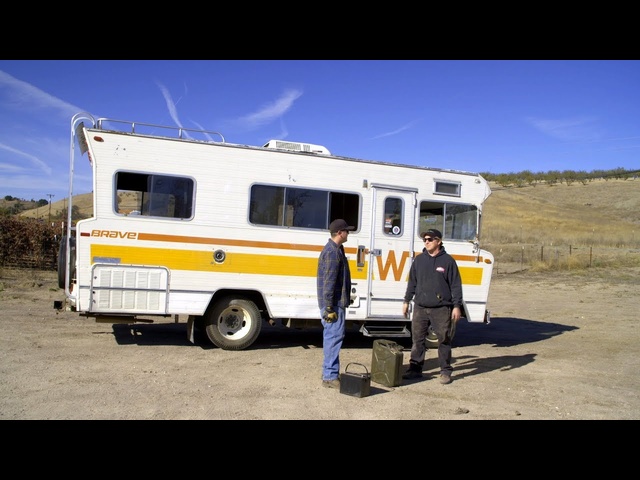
34,160
173,112
272,111
171,105
577,129
217,138
397,131
9,168
22,96
32,166
25,182
284,131
267,114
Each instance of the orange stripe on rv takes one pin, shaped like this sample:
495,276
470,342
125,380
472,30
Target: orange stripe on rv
156,237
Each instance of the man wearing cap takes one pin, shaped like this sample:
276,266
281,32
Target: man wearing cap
334,287
435,287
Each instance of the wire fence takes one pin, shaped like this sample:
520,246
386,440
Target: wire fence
509,258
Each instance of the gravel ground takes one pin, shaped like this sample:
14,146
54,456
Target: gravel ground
559,346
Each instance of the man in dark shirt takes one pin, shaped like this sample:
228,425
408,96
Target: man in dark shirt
436,290
334,288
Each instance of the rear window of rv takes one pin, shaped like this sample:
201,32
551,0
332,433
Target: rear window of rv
154,195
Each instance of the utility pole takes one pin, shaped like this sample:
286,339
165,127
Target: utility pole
50,195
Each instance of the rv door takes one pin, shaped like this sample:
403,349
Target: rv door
392,245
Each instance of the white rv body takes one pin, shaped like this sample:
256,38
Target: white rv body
229,235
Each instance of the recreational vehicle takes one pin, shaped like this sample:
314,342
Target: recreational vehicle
226,237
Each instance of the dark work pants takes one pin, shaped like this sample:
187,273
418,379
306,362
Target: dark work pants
440,320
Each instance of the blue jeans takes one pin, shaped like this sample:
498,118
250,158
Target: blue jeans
332,337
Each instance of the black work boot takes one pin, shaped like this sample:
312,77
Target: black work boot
414,371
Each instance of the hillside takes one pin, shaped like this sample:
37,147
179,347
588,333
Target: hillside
603,210
83,201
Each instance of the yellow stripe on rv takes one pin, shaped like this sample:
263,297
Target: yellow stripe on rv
471,275
201,261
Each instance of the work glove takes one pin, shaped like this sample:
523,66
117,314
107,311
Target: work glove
329,315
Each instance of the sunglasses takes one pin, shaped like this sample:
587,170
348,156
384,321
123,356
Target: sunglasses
427,239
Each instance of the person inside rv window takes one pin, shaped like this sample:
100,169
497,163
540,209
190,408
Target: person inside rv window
334,291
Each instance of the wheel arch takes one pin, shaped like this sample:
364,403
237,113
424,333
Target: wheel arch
234,318
253,295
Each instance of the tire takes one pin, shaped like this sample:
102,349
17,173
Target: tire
62,259
233,323
432,340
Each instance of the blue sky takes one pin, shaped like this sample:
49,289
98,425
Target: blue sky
496,116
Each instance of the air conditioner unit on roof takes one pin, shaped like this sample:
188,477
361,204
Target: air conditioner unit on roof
296,147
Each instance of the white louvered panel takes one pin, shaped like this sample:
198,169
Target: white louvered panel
115,301
103,299
117,278
128,300
130,289
130,279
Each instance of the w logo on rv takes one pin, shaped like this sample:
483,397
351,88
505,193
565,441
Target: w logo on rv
392,263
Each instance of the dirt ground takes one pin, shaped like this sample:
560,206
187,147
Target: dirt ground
559,347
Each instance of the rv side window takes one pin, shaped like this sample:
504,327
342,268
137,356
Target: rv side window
455,221
153,195
301,207
393,216
447,188
461,221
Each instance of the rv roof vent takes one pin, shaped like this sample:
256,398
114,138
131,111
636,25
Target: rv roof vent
296,146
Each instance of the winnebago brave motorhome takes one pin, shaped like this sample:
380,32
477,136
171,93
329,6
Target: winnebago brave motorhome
226,237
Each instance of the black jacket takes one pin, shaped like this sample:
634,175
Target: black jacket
434,281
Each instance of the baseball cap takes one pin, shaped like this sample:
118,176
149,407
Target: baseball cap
432,232
339,224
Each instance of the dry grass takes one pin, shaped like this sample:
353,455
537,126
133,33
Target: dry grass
565,227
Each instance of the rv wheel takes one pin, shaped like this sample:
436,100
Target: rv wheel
233,323
432,340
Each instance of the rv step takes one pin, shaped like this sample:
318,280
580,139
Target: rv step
385,331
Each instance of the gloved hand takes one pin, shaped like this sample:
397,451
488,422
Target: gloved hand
329,315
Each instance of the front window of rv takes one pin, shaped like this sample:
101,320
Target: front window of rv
153,195
455,221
